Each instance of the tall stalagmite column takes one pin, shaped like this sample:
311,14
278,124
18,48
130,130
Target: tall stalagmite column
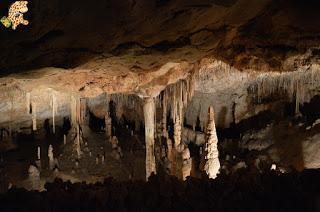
149,119
211,154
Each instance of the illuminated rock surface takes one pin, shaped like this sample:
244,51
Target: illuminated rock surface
122,89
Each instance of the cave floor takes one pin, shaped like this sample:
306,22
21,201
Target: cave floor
90,167
296,142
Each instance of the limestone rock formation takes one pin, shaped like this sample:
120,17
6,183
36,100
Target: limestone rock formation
34,178
211,153
157,66
51,158
149,116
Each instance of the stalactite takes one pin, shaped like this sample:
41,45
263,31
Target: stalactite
149,114
175,98
75,110
78,147
298,86
28,102
178,115
34,116
211,164
120,100
73,107
11,115
78,111
54,109
76,120
164,115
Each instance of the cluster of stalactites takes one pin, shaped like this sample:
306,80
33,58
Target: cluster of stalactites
298,86
124,101
31,108
175,98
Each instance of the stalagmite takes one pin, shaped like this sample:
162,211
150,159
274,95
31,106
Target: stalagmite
186,163
38,161
177,132
114,142
38,153
34,178
108,123
211,164
102,159
149,114
64,139
51,158
169,149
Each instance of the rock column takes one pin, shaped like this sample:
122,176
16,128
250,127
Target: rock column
149,118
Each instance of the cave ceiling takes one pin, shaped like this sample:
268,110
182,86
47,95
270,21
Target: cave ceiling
125,45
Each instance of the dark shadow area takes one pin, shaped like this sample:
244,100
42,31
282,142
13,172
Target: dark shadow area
66,125
246,190
70,33
311,110
222,115
96,124
288,144
253,123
